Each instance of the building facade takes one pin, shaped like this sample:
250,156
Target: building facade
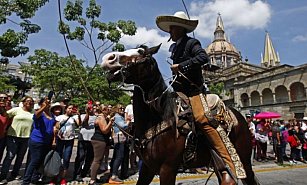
252,88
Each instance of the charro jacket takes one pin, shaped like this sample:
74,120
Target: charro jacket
190,56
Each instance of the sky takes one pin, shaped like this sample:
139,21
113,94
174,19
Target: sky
245,23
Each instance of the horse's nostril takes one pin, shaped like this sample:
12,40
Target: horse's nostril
112,57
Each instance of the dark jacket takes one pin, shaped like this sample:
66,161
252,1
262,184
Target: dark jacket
190,56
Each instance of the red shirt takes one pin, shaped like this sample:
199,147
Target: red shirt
292,141
4,123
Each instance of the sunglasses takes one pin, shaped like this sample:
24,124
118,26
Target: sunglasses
3,98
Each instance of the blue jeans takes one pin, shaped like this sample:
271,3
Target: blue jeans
64,148
37,151
118,156
15,146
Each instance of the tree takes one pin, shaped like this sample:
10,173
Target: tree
217,88
11,41
53,72
94,35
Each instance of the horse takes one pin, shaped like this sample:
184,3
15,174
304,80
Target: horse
158,143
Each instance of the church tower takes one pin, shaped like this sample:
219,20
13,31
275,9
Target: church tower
270,58
221,52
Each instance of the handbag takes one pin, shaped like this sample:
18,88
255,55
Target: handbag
52,164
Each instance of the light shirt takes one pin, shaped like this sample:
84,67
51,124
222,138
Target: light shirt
67,126
129,111
88,131
22,123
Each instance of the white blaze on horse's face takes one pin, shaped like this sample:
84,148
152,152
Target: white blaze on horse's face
115,60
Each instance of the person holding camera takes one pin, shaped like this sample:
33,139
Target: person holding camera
41,138
85,153
66,126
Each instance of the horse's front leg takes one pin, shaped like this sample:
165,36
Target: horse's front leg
168,175
145,175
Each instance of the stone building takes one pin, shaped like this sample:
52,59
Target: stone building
251,88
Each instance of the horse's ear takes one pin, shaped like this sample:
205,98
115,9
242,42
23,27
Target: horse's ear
154,49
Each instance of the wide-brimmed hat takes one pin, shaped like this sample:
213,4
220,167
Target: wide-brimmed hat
56,104
178,19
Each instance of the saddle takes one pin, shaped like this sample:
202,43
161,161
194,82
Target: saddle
216,107
225,120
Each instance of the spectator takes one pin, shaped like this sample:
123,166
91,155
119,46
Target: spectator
4,122
284,143
277,140
129,118
119,143
85,153
252,130
40,139
294,143
262,130
301,136
17,138
99,141
65,138
56,109
105,160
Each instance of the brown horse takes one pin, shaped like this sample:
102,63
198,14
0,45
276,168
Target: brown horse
159,145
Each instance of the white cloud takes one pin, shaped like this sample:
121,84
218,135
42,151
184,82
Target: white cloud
300,38
149,37
235,14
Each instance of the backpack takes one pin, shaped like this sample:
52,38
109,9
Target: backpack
52,164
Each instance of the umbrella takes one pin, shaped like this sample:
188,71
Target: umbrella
267,115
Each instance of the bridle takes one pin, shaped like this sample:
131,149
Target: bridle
124,69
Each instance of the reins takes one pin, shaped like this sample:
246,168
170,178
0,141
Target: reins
122,83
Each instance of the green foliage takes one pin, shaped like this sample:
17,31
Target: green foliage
53,72
107,34
12,42
5,84
216,88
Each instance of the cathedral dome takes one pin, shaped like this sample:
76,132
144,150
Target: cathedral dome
221,52
222,46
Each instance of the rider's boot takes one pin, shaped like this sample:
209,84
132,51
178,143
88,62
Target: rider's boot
214,138
217,143
227,179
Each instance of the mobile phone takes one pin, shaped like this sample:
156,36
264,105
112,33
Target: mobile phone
90,104
50,94
74,109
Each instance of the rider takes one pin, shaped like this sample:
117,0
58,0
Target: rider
188,57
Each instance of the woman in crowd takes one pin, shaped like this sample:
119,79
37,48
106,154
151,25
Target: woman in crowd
85,152
119,143
65,138
40,139
17,137
4,122
99,141
262,130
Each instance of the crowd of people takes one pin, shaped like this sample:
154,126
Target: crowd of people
54,126
281,134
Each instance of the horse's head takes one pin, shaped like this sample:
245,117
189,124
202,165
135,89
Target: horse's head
131,66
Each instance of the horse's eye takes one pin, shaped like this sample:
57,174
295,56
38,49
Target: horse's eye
141,51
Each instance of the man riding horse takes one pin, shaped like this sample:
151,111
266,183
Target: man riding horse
188,57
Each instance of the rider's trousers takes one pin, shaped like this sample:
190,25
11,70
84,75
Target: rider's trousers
210,132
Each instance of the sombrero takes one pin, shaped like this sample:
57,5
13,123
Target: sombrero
178,19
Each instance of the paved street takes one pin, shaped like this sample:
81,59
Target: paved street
267,172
